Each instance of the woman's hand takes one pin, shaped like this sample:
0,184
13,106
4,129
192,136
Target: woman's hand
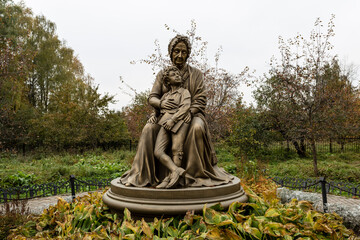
168,104
169,124
152,119
188,118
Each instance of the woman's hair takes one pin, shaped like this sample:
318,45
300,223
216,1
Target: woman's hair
166,72
179,38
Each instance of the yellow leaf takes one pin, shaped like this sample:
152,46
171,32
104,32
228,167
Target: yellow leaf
146,229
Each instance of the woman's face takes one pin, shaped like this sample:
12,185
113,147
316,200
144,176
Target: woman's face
179,54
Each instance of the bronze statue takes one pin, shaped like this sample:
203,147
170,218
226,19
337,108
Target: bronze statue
164,180
193,162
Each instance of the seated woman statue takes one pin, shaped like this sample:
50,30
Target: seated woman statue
198,159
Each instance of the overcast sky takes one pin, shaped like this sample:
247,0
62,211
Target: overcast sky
107,35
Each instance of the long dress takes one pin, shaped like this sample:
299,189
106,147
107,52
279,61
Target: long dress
199,158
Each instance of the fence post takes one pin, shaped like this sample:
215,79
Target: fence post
31,192
5,196
331,149
323,191
72,186
354,190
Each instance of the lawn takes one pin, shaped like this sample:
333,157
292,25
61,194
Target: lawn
343,167
17,170
39,168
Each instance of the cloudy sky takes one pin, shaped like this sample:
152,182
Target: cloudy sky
107,35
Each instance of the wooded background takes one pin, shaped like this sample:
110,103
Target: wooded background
48,101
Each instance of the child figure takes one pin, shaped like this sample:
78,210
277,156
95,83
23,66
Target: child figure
174,128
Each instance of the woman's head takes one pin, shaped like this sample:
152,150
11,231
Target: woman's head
179,50
170,74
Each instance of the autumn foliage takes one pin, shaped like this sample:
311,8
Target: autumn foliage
306,95
46,98
260,218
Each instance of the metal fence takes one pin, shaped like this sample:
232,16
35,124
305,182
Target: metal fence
321,184
322,146
74,185
51,189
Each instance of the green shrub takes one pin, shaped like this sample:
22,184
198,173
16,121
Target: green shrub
19,179
12,215
21,170
88,217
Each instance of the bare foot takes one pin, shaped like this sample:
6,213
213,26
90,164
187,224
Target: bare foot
175,177
164,183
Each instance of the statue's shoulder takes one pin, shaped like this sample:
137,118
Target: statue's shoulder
183,90
196,73
160,75
194,69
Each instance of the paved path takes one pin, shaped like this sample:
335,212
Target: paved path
347,208
37,205
333,199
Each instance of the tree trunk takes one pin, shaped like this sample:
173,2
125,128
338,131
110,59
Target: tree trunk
314,153
287,146
331,148
302,145
299,149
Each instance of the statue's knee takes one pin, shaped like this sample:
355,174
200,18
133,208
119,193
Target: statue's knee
158,153
198,128
176,149
148,128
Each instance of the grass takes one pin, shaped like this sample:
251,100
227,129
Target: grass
33,169
17,170
334,166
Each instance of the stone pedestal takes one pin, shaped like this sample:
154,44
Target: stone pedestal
152,202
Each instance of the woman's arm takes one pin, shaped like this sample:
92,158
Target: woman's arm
197,91
156,92
154,102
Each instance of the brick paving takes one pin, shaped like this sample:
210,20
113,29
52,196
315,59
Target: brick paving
335,201
343,200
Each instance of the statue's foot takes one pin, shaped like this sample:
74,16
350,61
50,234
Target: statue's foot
177,162
175,177
164,183
128,184
177,159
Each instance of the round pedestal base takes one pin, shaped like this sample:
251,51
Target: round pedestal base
165,202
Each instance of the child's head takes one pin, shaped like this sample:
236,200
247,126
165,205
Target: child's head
167,73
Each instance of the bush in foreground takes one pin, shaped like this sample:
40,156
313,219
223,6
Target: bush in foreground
261,218
12,215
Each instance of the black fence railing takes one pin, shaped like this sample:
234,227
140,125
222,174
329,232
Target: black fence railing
24,149
322,146
321,184
72,186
